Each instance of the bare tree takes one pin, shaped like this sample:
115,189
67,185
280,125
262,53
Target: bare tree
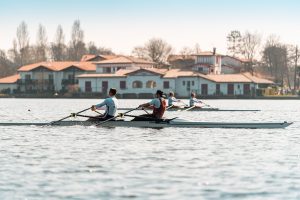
93,49
156,50
41,44
276,57
23,43
58,47
186,51
77,45
6,66
250,47
14,54
140,52
234,42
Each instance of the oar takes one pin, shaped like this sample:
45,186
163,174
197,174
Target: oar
169,107
98,112
71,115
145,110
188,108
120,114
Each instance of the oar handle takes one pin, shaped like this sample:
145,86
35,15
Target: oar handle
189,108
120,114
72,114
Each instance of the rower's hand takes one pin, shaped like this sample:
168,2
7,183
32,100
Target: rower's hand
93,108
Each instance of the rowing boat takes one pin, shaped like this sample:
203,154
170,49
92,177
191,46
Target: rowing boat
204,109
178,123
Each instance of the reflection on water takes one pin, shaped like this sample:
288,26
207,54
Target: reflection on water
101,163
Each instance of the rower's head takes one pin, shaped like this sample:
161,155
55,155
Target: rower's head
171,94
159,93
193,94
112,92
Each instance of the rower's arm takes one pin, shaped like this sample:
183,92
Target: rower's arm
95,107
144,105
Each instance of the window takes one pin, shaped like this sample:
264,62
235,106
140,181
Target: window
27,77
137,84
107,70
204,89
218,89
88,86
70,77
50,76
122,85
200,69
150,84
166,84
193,83
183,82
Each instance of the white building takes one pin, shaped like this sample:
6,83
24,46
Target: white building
9,84
121,62
52,76
144,82
208,62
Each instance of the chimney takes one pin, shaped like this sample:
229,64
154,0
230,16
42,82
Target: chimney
214,51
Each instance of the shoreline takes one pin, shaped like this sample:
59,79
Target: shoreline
201,97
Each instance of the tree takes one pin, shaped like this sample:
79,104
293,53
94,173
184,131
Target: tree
14,54
6,66
93,49
186,51
41,45
156,50
234,43
77,45
250,47
23,43
275,56
58,47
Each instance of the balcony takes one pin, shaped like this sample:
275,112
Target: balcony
35,82
66,82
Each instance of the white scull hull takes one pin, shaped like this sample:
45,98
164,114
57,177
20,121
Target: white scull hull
204,109
152,124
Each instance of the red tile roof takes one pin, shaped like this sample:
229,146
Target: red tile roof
207,53
10,79
228,78
151,70
257,79
174,73
90,57
59,66
119,73
124,60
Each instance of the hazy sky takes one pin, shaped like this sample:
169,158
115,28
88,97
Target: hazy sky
123,24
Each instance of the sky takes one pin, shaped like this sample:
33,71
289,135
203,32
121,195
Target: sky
124,24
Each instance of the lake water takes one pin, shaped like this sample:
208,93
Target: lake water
130,163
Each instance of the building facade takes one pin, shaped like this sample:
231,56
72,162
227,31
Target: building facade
143,82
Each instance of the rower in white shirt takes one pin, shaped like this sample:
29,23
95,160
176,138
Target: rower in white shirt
194,102
111,104
173,99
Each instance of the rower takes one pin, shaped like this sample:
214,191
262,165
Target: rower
194,101
173,99
111,104
158,104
